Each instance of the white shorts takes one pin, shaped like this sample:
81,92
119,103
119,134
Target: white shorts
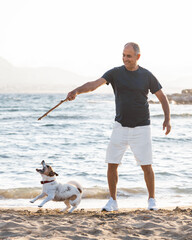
138,139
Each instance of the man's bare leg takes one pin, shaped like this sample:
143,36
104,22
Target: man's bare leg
149,179
112,175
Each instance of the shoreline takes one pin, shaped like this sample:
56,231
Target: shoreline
93,204
80,209
33,223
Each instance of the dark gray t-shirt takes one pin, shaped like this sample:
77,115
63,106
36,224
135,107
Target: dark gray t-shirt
131,90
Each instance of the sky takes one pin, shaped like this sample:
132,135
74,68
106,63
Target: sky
87,36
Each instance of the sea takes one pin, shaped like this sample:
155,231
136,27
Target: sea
73,140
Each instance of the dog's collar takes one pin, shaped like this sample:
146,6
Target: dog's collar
43,182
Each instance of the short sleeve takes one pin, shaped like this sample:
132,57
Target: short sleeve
108,76
154,84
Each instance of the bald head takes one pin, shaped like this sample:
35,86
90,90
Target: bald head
135,47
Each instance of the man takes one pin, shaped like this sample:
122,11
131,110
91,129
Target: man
131,84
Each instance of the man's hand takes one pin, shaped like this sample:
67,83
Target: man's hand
167,126
165,105
71,95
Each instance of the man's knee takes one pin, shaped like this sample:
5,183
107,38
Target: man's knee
147,169
112,166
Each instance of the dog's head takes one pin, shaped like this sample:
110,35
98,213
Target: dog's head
46,170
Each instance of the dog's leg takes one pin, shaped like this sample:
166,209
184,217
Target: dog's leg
48,198
68,206
71,210
36,198
74,203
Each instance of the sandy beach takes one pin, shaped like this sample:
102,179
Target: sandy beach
92,224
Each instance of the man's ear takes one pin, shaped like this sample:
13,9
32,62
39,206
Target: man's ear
138,56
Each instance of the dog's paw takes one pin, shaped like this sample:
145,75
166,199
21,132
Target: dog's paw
64,210
71,210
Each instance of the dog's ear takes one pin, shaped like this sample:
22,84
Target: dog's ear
51,174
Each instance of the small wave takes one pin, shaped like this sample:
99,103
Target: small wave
182,190
17,193
91,193
181,115
174,140
167,174
4,156
49,125
68,117
100,101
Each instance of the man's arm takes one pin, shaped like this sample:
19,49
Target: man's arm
165,105
85,88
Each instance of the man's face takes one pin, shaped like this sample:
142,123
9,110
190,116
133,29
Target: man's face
130,58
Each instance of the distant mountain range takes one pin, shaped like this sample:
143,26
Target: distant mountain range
37,80
56,80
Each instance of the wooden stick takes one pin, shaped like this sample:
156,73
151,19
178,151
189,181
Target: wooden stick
44,115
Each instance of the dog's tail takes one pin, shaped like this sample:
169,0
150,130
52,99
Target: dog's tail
77,185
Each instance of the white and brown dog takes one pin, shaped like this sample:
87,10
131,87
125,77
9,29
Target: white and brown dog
70,192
